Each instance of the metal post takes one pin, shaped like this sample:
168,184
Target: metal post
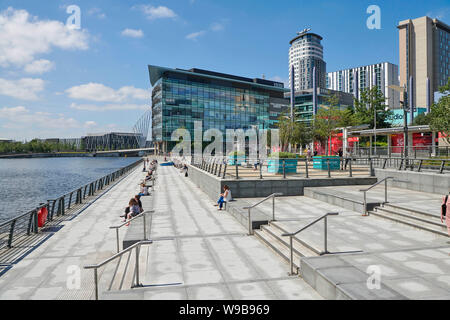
145,227
291,260
420,166
372,172
350,167
260,169
137,266
11,234
325,235
237,170
284,168
250,229
224,171
441,170
385,191
117,240
70,200
329,171
273,208
365,204
306,168
96,283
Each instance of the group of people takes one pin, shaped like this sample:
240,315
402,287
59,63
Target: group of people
134,207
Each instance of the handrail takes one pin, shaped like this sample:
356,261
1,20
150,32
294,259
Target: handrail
142,214
273,196
376,183
119,254
365,213
293,234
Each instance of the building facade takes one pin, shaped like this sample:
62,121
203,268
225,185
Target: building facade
303,107
305,53
355,80
424,49
219,101
111,141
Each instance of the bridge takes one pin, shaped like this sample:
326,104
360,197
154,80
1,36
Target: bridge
127,152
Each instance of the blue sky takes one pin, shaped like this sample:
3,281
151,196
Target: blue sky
58,82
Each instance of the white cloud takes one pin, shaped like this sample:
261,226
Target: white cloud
159,12
90,124
39,66
109,107
195,35
97,12
23,115
133,33
24,89
23,36
217,26
101,93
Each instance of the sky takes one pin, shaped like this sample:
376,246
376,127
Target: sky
60,81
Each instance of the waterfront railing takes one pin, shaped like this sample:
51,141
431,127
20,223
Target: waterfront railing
15,231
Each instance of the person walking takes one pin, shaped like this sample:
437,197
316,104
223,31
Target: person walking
445,212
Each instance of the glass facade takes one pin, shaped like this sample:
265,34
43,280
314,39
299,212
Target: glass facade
180,99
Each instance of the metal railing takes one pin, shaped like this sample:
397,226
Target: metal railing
249,208
302,167
136,246
17,228
292,235
143,215
385,180
413,151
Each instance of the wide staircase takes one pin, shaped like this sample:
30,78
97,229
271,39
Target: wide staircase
412,217
272,236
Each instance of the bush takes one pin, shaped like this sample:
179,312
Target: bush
283,155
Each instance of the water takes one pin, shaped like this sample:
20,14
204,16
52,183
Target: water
25,183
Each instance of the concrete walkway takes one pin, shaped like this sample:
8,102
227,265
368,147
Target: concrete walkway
87,239
209,255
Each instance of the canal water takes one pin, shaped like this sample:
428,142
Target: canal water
25,183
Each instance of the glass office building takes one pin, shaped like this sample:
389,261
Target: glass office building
219,101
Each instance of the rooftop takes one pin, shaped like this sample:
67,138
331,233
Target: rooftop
157,72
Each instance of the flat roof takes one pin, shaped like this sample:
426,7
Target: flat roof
399,129
157,72
304,34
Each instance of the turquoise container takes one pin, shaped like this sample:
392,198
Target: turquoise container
290,165
232,160
321,163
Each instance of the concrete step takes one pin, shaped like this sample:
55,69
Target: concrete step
342,200
235,208
411,221
311,250
279,248
298,248
410,211
421,219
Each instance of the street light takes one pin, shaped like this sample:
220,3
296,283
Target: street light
405,118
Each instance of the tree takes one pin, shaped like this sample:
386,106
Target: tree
292,132
370,99
422,120
440,113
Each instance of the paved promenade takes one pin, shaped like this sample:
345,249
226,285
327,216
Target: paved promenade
210,255
87,239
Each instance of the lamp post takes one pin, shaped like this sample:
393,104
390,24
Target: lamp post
405,119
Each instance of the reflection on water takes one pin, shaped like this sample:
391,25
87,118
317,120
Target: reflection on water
24,183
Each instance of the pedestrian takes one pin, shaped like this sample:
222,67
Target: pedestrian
445,212
309,153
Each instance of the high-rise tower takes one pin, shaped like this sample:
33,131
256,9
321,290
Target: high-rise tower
305,53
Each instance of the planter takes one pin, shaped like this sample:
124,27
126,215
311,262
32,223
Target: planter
321,163
236,160
276,165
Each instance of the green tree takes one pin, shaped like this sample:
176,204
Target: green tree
422,119
440,112
370,99
294,133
